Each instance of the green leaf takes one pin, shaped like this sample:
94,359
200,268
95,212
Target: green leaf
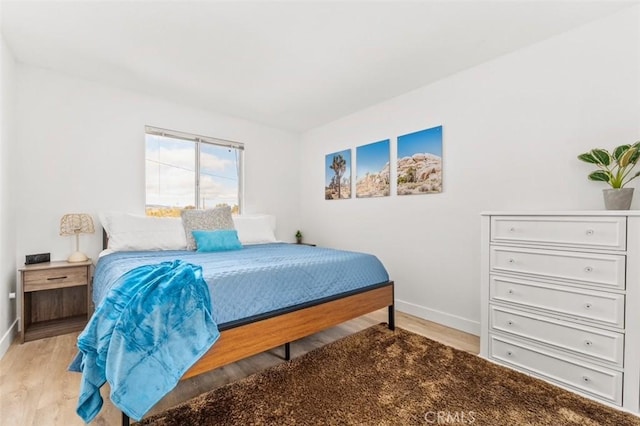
600,175
625,159
602,155
587,157
619,151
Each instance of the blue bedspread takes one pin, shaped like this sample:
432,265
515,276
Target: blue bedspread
154,323
259,278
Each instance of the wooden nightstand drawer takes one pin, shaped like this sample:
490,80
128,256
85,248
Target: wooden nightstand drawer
45,279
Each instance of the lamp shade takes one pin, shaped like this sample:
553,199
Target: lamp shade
76,224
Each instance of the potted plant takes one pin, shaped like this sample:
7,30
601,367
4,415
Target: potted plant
615,169
298,237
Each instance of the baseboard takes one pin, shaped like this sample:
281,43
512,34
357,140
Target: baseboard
453,321
8,337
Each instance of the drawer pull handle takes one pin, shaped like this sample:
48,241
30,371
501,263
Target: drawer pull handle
588,269
588,342
510,291
509,353
586,379
512,261
590,232
588,306
512,229
56,278
509,322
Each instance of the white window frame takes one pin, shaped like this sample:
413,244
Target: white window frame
199,139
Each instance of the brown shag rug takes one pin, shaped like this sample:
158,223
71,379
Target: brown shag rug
383,377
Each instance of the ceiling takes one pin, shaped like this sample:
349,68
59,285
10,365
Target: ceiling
290,65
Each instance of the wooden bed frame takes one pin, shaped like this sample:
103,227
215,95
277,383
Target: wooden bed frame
282,327
239,339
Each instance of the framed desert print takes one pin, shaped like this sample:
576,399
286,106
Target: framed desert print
337,184
419,163
373,174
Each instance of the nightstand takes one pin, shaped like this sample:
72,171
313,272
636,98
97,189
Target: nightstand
55,298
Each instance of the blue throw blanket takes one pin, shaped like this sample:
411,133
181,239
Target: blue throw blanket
152,326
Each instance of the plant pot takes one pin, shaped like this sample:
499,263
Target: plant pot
618,199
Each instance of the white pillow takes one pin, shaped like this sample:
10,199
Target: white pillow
255,229
128,232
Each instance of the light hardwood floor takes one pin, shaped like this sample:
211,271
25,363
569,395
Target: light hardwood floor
36,388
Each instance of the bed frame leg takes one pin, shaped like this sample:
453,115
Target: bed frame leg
125,419
392,318
287,351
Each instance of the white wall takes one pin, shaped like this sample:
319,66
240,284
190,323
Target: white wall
8,324
81,149
512,130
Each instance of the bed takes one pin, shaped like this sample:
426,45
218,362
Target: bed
337,286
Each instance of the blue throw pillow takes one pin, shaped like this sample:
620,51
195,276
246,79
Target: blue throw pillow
221,240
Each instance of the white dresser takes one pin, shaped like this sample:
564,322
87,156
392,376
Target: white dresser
561,299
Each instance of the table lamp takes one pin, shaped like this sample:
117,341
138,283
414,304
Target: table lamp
76,224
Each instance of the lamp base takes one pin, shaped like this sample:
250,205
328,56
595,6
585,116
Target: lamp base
77,257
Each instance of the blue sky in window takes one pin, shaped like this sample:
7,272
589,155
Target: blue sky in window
170,173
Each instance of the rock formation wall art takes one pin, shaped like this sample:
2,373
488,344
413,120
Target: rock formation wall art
419,164
373,174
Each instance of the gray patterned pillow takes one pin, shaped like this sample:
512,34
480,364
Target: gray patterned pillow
205,220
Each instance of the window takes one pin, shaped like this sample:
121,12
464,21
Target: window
185,171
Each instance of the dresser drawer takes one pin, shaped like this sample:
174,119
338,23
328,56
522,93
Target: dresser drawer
597,381
45,279
595,306
599,344
592,232
585,268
